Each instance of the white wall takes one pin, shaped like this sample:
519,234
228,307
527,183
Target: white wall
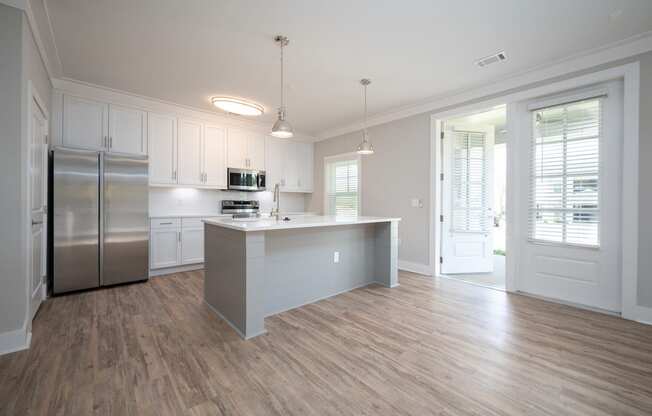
191,201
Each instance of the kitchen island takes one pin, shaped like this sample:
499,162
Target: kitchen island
258,268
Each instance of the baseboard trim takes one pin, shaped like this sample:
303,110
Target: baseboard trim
418,268
13,341
639,314
177,269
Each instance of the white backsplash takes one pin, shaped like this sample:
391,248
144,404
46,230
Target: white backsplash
189,201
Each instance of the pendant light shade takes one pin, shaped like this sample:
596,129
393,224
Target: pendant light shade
365,148
282,128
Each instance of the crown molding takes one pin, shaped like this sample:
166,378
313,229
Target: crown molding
612,52
111,95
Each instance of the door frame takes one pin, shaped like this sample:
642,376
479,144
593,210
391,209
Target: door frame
630,74
34,102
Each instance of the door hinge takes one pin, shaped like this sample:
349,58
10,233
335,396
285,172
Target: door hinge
441,218
441,260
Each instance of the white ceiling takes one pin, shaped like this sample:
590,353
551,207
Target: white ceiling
187,51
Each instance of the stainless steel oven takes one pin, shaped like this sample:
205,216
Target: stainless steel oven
246,179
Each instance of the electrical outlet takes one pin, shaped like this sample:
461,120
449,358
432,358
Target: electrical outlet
336,257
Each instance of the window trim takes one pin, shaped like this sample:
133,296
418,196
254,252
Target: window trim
337,158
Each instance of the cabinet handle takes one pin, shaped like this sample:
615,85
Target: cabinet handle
179,234
174,175
165,223
105,141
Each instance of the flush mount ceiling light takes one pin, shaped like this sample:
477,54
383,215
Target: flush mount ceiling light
237,106
365,148
282,128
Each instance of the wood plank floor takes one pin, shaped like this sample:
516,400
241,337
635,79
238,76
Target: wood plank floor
428,347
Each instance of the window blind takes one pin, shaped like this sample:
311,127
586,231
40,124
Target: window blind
565,174
342,187
469,182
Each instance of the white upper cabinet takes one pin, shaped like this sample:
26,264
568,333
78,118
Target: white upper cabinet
246,150
94,125
305,156
85,123
214,156
256,151
190,153
127,130
162,142
237,149
289,164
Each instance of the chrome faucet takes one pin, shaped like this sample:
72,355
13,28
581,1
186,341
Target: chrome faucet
277,198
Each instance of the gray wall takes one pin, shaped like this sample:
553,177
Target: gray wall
20,62
13,289
400,170
390,178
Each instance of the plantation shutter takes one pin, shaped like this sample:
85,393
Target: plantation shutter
342,182
469,182
565,173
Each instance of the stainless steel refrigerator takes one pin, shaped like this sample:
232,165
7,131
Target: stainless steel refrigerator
99,222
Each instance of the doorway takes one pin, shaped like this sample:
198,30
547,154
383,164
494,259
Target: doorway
473,197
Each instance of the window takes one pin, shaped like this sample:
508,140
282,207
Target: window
469,182
342,185
565,174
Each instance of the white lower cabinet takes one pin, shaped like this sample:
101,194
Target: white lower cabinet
164,248
176,242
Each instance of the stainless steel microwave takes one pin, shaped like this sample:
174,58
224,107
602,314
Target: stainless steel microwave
246,179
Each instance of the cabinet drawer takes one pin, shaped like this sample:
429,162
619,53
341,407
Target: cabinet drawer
165,223
192,222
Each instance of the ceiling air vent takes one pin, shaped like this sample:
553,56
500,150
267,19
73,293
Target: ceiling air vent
487,60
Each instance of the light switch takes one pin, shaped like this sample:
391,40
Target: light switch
336,257
416,203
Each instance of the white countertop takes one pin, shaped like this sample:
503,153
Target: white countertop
217,214
304,221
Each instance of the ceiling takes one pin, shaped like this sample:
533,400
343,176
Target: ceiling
187,51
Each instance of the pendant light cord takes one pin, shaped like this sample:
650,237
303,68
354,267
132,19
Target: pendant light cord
282,79
365,113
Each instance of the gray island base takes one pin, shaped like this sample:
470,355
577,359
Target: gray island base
260,268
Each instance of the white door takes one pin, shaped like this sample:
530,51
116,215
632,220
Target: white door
127,130
570,165
164,250
189,159
467,241
85,123
256,151
162,143
214,156
192,245
237,149
38,167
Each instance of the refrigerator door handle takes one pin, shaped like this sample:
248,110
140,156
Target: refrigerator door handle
102,217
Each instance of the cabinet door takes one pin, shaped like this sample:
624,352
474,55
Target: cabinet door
85,123
275,162
164,247
189,157
291,164
162,143
214,156
256,151
237,149
127,130
305,155
192,245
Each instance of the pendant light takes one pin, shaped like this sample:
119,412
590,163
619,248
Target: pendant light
365,148
282,129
